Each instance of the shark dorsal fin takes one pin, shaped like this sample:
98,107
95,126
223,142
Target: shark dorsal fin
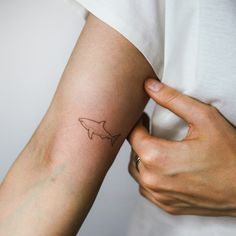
102,123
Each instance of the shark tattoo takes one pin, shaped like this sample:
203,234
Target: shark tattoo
98,128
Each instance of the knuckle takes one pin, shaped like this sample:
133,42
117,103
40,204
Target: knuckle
152,153
145,145
138,137
143,136
207,113
149,158
160,158
148,181
146,141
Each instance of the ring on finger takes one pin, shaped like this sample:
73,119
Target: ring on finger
137,162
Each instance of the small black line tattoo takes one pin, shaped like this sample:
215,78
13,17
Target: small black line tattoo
98,128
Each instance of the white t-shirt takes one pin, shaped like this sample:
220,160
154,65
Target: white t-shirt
191,45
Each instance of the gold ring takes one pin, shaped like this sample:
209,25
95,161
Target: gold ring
137,161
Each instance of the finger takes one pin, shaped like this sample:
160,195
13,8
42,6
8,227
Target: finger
154,152
163,202
163,198
182,105
149,148
142,123
202,212
143,126
136,174
149,180
139,136
147,194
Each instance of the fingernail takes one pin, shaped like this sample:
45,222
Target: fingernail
154,85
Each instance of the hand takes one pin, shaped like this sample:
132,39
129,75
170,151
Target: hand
195,176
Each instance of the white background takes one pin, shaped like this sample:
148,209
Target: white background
36,39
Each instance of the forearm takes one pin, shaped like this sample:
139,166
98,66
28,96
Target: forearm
57,176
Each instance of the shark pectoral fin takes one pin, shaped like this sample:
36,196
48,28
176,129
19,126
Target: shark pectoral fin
114,138
90,133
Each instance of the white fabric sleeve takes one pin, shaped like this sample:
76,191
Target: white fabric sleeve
141,22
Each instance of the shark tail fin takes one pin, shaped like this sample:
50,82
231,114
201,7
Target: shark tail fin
114,138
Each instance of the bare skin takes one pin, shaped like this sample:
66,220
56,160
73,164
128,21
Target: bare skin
54,181
195,176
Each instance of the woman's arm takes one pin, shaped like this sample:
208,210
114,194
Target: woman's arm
54,181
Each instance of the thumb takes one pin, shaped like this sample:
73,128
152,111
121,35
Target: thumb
142,124
182,105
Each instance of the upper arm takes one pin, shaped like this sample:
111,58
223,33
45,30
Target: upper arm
103,81
64,165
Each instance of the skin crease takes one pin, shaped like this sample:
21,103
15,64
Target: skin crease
195,176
